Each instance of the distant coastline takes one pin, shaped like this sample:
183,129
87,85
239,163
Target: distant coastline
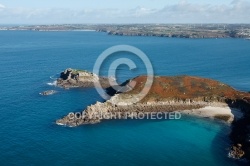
157,30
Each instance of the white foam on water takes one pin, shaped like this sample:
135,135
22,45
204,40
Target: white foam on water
53,77
52,83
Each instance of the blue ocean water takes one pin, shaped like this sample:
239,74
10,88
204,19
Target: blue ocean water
30,60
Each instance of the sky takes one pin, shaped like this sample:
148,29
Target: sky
131,11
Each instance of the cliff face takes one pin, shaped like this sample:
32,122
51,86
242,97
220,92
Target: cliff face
240,134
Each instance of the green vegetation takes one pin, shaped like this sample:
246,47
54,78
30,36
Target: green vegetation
77,71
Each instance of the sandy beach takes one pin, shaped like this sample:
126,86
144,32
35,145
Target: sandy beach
216,111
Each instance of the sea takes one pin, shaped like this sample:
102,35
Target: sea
30,62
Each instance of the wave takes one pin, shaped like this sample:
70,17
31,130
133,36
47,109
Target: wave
52,83
53,77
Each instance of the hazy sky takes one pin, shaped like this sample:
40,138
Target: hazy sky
131,11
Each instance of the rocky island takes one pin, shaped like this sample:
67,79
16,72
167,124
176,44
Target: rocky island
187,94
48,92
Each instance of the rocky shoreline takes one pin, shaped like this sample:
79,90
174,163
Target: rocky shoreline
186,94
104,111
177,31
196,35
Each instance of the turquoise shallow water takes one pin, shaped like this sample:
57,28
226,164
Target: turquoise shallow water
30,137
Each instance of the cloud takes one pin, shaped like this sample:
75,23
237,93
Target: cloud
141,11
1,6
237,11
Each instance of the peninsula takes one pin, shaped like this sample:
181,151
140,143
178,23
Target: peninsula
187,94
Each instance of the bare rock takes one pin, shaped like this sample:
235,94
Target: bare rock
71,78
48,92
236,152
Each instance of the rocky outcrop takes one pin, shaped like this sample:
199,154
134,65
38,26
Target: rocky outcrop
48,92
72,78
236,152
